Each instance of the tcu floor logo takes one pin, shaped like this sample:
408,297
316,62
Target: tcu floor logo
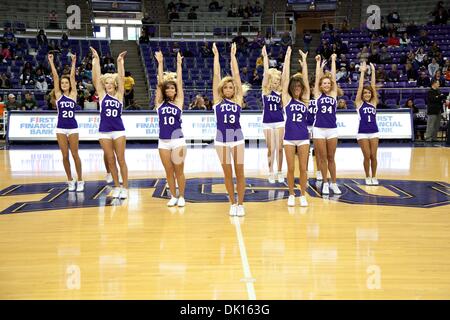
406,193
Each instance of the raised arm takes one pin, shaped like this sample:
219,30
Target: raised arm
236,75
121,73
359,98
333,75
159,96
285,77
96,74
55,76
180,92
373,83
216,75
73,81
306,92
318,76
266,67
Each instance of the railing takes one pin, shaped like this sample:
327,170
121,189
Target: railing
132,30
283,22
3,122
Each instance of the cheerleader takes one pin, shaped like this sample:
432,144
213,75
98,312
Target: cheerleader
110,89
65,95
325,132
228,96
366,105
273,118
295,99
172,145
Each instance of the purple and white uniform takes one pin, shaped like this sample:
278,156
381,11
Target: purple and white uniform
273,115
312,110
325,126
296,132
229,130
170,133
66,113
368,127
111,124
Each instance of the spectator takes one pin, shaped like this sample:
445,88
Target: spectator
144,37
241,43
246,76
326,26
5,54
342,62
393,17
405,41
434,109
53,20
27,77
420,56
205,50
394,74
214,6
363,56
341,75
41,38
29,103
374,57
232,11
418,118
446,70
258,41
385,57
342,104
423,38
208,102
12,103
434,50
438,76
129,88
433,67
173,15
380,75
393,41
286,40
65,41
8,36
423,80
345,26
307,38
440,14
259,63
256,80
353,73
192,15
411,73
5,83
257,9
41,82
198,103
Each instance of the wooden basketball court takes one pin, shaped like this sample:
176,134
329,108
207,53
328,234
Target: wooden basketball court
374,242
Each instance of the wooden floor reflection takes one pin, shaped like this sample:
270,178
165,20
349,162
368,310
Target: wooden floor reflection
140,249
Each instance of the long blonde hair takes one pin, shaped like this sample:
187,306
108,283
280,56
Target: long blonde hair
327,75
271,74
169,78
106,76
224,80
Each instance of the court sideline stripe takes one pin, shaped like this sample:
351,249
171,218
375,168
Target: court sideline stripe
248,279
